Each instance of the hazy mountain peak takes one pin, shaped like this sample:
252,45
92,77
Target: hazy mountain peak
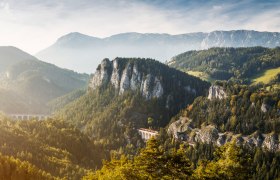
75,38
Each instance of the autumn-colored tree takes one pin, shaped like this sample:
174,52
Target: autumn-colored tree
230,163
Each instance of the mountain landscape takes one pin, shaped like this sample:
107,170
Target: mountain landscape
82,52
125,94
164,90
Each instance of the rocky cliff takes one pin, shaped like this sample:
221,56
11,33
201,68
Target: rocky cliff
216,92
148,77
182,129
127,78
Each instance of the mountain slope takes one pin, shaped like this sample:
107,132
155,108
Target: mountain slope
81,52
12,55
27,85
242,64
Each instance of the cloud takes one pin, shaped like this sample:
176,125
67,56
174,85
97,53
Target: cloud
35,24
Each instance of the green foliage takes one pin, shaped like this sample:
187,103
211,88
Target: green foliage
230,163
60,102
150,121
13,169
237,64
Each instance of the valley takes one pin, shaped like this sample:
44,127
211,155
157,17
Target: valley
126,96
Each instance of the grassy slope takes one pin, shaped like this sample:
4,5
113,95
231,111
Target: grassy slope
266,76
201,75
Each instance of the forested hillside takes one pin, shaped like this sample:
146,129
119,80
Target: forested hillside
51,145
11,168
237,64
246,109
157,161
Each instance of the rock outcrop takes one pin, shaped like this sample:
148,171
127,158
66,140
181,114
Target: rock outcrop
149,77
264,107
216,92
182,130
128,78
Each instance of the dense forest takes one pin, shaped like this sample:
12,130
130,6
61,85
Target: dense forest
157,161
246,109
237,64
51,145
11,168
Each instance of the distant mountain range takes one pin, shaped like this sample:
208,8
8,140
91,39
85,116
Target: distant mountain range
82,53
28,84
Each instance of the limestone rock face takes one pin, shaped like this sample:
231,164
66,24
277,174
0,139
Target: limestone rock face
102,75
182,130
128,78
115,78
216,92
179,127
125,78
264,107
271,143
207,135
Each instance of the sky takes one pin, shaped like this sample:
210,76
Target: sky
33,25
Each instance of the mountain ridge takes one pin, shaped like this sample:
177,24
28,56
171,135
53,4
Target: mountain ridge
89,50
